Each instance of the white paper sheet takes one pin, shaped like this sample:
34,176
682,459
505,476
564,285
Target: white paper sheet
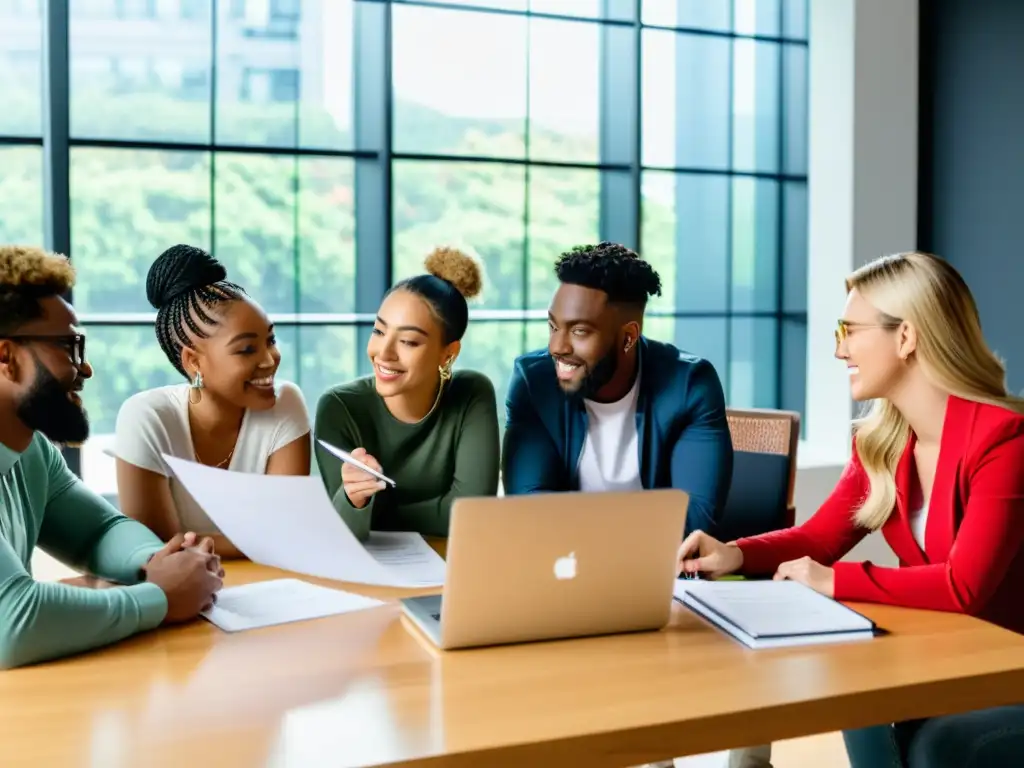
280,601
289,522
409,553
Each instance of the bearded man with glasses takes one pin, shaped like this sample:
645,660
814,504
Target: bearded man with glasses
42,371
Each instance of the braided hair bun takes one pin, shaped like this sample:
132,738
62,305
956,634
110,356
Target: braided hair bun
179,270
458,268
188,287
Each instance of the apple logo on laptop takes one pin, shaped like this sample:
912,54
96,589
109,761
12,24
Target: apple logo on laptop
565,567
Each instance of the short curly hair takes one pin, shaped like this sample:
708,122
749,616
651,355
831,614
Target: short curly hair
611,268
28,275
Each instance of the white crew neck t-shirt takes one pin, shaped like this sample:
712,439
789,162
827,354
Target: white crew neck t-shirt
155,422
610,460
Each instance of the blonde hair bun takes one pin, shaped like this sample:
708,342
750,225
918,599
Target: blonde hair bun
458,268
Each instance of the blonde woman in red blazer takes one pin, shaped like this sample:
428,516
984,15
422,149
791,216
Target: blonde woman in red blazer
938,466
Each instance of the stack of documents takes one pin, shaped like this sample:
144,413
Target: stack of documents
289,522
773,614
280,601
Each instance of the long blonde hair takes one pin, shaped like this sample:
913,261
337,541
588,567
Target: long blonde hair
928,293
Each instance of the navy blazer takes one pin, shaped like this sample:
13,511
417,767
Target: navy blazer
682,431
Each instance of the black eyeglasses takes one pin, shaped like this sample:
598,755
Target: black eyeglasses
72,343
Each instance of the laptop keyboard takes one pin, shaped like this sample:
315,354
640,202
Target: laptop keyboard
437,616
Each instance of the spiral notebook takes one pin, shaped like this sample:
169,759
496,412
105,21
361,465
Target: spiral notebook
773,614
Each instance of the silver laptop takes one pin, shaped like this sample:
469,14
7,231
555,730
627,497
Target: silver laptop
557,565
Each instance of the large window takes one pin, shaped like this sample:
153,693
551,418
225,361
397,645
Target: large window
21,128
724,187
320,149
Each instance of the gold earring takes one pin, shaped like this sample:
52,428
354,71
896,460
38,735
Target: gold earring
195,389
445,371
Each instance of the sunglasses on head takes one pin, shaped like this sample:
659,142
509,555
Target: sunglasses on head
72,343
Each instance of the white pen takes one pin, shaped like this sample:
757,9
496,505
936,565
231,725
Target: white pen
348,457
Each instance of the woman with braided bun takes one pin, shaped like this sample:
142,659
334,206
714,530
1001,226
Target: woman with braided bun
231,414
433,431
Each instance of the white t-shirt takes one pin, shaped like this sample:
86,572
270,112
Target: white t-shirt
611,459
155,422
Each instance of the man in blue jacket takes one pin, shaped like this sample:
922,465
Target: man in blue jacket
605,409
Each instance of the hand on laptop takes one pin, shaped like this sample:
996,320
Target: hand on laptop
359,485
700,553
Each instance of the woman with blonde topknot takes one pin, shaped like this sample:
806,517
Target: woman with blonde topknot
431,429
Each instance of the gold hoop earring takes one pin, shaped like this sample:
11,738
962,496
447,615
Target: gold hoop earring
195,389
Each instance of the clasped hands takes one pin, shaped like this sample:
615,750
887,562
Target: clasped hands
189,573
701,553
187,570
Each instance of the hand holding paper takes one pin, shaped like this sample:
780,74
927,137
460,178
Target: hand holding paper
289,522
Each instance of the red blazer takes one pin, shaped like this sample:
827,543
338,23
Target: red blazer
973,561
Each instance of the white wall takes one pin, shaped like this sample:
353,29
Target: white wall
862,203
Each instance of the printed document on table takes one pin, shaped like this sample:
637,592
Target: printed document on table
280,601
409,552
288,522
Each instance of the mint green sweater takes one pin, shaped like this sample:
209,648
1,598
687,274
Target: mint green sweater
42,502
453,451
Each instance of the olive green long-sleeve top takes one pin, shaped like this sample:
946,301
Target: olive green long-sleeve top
42,503
453,451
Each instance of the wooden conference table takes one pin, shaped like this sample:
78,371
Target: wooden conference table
361,689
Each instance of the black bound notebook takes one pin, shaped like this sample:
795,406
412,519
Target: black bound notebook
773,614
